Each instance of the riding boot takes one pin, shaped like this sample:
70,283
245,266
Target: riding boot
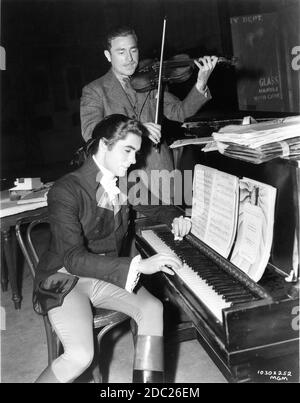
148,366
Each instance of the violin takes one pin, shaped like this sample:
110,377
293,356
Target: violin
178,69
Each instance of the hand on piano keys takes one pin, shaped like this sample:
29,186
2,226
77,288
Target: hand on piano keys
181,226
166,262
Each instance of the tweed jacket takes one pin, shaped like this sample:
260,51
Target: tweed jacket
105,96
86,239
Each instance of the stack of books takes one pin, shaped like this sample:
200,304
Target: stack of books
36,195
260,142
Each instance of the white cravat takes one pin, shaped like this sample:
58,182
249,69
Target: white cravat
108,181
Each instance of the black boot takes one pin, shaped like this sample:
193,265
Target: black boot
140,376
148,366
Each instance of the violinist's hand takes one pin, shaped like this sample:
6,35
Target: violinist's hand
181,226
160,262
154,131
206,65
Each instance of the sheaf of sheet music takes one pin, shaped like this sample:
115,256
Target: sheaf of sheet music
258,134
213,146
252,247
193,141
289,148
214,208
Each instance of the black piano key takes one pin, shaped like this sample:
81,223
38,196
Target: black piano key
228,289
223,283
213,275
231,293
239,300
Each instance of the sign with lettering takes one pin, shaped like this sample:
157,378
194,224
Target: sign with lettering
256,44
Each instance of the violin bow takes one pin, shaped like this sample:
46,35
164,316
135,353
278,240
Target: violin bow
159,88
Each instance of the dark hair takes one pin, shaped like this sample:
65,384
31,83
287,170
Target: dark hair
112,129
115,32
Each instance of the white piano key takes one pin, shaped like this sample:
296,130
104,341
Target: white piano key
214,302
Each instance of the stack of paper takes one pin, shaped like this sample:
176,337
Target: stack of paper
261,142
34,196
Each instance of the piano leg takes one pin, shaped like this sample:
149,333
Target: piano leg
241,373
184,331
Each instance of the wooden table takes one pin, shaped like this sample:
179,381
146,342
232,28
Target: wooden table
10,212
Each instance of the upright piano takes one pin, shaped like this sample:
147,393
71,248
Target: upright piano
249,329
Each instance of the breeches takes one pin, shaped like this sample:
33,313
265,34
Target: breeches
73,321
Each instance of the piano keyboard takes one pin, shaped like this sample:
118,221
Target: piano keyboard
212,285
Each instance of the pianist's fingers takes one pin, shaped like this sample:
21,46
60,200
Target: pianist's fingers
167,260
181,226
167,270
160,262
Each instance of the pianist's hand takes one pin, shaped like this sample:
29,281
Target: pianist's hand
181,226
160,262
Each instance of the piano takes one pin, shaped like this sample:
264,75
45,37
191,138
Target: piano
249,329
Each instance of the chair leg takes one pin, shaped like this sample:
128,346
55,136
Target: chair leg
134,330
97,376
4,275
95,368
96,373
53,343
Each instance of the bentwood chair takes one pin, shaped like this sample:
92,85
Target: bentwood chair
104,319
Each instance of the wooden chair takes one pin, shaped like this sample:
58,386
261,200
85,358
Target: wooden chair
104,319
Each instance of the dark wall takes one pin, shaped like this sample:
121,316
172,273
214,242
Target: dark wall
53,48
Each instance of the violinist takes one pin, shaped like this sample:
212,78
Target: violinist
113,93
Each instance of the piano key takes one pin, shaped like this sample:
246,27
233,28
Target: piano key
214,302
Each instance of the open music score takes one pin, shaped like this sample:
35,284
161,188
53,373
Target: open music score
234,217
214,209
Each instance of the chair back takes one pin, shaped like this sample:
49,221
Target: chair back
104,319
26,240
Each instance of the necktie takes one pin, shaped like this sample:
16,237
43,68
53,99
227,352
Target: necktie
130,92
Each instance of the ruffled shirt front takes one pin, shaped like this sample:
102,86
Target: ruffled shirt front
108,181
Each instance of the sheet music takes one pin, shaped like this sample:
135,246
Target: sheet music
251,234
259,134
214,209
255,227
